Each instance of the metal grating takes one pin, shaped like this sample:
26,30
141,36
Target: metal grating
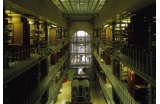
79,9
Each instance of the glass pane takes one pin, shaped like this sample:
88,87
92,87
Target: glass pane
88,58
80,49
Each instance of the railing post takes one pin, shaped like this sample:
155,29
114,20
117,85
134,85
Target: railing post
136,58
147,64
151,69
133,58
142,61
130,57
127,51
139,62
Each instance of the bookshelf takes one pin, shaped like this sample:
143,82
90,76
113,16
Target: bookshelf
33,29
10,33
124,74
15,29
42,32
52,36
120,31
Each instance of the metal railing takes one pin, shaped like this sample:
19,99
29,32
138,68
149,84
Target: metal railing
35,97
81,51
103,86
56,88
81,39
17,60
139,60
108,44
123,94
21,58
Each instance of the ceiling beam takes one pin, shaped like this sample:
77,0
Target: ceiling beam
62,5
71,6
88,5
82,14
91,7
96,6
79,6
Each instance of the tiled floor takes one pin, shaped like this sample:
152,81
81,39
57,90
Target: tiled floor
65,94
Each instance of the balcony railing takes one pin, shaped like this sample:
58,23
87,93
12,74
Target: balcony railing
115,45
19,59
81,39
108,99
55,89
35,97
139,60
81,51
123,94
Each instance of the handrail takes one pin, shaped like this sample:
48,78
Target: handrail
141,62
45,83
123,94
142,48
108,99
19,60
57,88
79,40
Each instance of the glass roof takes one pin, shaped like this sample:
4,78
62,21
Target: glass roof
79,9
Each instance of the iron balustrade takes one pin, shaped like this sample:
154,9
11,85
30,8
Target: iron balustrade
139,60
81,39
114,45
123,94
19,59
35,97
56,88
103,86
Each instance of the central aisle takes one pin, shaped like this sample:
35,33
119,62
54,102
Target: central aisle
65,93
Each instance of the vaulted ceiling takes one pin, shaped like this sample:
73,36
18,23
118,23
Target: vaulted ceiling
79,10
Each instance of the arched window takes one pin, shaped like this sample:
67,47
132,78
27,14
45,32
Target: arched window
80,50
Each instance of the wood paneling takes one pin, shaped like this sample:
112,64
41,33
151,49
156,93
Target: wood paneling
18,33
53,35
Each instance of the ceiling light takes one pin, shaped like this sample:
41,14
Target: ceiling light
53,26
31,22
106,25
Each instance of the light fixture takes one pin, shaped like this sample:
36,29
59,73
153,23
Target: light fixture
53,26
30,21
106,25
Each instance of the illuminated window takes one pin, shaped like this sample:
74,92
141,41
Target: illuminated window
80,49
